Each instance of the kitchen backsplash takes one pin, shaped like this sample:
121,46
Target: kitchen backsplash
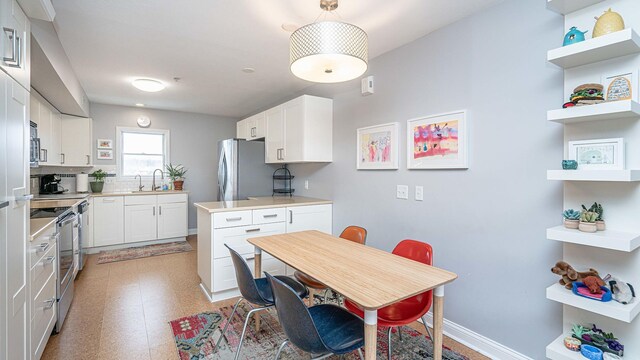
111,182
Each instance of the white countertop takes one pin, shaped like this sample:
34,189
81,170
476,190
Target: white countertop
259,203
130,193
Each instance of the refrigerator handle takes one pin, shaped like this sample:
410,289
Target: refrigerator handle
223,167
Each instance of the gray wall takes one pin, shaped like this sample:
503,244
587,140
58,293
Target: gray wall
194,139
487,223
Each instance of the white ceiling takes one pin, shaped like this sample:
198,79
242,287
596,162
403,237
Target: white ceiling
208,42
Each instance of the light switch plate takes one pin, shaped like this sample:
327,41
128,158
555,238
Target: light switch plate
306,184
419,193
402,192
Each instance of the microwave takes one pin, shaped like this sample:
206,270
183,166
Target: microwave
35,145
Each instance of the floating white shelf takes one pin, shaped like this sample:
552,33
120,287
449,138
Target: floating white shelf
605,111
612,309
608,239
610,46
565,7
594,175
557,351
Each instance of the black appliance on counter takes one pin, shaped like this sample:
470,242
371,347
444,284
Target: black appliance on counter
50,184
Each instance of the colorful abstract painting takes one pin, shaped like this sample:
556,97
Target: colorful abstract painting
378,147
437,142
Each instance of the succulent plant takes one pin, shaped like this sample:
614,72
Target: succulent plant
596,208
589,216
571,214
579,330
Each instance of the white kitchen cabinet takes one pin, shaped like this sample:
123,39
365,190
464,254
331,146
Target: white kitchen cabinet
140,223
300,130
15,42
313,217
76,140
88,231
56,153
14,215
108,220
49,122
256,127
242,130
172,219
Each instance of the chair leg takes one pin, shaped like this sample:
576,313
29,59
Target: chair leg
360,353
284,343
310,298
244,330
424,322
326,294
235,307
389,344
400,332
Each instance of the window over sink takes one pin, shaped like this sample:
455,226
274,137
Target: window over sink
141,151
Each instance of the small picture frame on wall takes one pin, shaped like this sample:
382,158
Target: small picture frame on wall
378,147
621,86
438,141
598,154
105,144
105,154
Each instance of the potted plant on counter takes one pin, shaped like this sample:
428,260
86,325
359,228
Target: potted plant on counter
176,174
98,181
588,221
571,218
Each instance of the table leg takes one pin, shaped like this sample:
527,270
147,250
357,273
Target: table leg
438,318
257,274
370,334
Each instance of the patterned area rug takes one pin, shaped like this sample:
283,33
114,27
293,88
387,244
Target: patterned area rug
196,338
110,256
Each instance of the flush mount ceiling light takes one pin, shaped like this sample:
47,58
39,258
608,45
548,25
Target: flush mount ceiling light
140,105
148,85
328,51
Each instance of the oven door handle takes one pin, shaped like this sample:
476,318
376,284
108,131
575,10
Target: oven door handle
4,204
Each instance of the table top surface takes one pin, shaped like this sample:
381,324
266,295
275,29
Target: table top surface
368,276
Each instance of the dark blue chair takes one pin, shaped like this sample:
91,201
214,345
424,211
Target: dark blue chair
256,292
322,330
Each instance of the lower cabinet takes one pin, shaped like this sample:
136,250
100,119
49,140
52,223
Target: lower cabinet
140,223
108,220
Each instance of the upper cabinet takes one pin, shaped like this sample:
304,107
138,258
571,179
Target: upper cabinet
75,141
15,42
298,131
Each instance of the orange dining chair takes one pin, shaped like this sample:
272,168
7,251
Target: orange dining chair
353,233
409,310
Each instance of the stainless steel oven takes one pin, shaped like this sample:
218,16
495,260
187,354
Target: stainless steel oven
67,233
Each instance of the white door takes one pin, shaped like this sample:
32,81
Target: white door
293,114
242,131
256,126
15,42
56,155
274,137
76,140
172,220
87,217
140,223
4,209
313,217
108,220
47,155
17,212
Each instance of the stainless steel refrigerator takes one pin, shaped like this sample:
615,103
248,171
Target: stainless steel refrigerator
241,170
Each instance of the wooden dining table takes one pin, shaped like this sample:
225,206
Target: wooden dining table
368,276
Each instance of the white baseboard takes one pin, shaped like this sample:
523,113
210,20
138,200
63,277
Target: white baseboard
193,231
477,342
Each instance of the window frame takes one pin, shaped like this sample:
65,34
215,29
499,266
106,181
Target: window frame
120,153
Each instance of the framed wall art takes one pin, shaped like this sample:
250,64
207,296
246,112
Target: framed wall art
105,154
438,141
598,154
378,147
105,144
621,86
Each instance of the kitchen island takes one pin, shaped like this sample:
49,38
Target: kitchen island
233,222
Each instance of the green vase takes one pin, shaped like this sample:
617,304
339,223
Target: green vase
96,187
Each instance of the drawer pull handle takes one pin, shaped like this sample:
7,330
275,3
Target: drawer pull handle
253,230
250,258
42,247
270,216
48,261
54,237
235,219
48,304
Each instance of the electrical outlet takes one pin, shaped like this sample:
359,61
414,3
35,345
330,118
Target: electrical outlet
419,193
402,192
306,184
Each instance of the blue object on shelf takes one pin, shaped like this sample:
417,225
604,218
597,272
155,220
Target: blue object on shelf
569,164
591,352
573,36
606,293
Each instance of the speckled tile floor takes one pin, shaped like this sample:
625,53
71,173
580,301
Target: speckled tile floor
121,310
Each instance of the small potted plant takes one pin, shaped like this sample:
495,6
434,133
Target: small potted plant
597,208
571,218
588,221
98,180
176,174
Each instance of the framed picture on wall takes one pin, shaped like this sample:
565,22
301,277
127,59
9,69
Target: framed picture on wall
105,144
105,154
599,154
621,86
438,141
378,147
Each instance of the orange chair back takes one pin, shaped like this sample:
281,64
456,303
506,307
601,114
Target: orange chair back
355,233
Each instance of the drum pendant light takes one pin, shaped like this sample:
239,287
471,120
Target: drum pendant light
328,51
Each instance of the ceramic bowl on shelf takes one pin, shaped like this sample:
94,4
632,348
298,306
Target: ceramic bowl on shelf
569,165
591,352
572,343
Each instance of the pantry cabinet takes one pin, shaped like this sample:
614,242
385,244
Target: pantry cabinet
15,42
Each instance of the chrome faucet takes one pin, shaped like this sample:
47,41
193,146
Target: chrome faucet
153,185
140,186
